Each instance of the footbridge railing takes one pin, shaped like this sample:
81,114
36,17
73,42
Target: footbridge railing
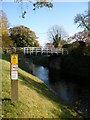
44,50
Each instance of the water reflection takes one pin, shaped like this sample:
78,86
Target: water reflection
41,72
67,90
73,92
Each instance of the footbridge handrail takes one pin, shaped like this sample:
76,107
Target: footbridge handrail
44,50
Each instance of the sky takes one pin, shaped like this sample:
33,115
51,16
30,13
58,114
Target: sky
62,14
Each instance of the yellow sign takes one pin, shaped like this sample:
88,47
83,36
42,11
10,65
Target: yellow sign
14,59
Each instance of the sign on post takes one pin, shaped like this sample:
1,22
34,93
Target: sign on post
14,67
14,77
14,59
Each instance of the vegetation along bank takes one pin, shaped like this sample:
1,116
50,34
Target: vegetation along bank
35,99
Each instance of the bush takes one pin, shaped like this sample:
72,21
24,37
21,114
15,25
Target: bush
87,50
0,50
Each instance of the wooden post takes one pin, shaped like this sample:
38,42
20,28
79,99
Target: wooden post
14,77
14,90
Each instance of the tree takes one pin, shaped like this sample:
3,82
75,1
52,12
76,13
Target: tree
36,43
36,5
57,35
80,36
3,20
5,40
42,3
81,44
23,36
83,20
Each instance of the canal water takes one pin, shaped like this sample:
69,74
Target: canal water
75,93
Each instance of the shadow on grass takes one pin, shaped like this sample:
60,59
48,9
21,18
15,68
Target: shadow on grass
6,57
42,89
6,99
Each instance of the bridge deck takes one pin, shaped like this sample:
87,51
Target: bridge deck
44,50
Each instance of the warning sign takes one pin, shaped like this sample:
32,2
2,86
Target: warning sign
14,67
14,59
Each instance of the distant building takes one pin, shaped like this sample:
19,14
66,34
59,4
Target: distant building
50,45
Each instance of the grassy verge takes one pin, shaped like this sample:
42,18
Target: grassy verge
35,99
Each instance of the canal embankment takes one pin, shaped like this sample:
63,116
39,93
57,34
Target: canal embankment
76,67
67,65
35,99
70,85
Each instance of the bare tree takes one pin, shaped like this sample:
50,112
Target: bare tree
83,20
57,35
80,36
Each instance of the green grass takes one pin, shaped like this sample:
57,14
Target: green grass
35,99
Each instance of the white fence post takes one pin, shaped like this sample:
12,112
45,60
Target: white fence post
62,51
27,50
24,50
30,50
36,49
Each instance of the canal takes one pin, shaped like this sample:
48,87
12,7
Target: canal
73,92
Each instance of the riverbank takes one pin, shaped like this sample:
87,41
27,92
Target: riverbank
71,66
76,67
35,99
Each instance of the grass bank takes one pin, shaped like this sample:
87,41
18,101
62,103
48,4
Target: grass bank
35,99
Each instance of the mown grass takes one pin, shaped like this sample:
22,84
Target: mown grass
35,99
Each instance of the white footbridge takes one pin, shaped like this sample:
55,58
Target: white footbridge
44,50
